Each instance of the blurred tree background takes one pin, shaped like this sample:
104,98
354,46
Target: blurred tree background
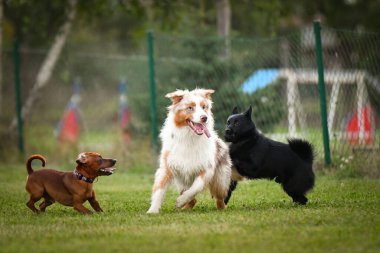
102,41
36,22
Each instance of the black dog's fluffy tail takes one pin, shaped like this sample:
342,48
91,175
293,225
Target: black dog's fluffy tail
303,149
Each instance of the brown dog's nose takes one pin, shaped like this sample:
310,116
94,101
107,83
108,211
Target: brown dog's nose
204,118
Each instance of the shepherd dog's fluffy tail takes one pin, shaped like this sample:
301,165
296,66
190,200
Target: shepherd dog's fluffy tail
303,149
29,162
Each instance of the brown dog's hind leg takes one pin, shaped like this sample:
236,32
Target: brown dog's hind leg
31,202
47,202
36,192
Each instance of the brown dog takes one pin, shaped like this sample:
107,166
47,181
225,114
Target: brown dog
67,188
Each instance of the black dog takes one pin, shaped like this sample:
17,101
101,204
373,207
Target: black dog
255,156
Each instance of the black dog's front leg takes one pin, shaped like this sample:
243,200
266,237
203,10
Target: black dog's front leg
233,186
245,169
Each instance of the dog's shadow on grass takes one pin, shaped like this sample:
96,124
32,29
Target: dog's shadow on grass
233,207
201,208
256,206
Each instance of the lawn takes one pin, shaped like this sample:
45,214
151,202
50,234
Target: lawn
343,216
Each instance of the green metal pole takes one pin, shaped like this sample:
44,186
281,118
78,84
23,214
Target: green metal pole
153,103
16,61
322,93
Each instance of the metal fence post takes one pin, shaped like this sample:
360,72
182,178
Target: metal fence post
153,103
322,93
16,62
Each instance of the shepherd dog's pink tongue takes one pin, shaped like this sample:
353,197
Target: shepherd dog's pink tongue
200,129
205,130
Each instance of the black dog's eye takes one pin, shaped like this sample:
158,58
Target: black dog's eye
228,122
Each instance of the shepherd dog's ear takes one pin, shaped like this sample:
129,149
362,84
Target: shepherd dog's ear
248,112
207,93
176,96
82,158
235,110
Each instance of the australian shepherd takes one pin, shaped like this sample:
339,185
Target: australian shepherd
193,157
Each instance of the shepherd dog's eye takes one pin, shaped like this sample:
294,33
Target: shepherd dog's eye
190,108
204,107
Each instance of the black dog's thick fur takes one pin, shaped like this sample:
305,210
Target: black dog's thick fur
256,156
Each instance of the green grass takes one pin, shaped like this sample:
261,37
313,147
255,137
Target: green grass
343,216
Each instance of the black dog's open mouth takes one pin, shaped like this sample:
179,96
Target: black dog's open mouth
198,128
106,171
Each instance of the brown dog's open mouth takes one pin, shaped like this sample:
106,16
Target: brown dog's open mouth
106,171
198,128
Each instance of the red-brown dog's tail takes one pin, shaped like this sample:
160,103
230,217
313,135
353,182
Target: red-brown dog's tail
29,162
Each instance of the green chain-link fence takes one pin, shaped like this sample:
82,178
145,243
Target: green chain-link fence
277,76
99,69
352,76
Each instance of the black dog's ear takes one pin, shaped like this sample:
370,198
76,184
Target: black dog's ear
235,110
248,112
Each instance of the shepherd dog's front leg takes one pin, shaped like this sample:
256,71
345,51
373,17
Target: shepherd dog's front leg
198,185
162,180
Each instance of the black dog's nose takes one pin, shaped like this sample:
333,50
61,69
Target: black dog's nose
203,118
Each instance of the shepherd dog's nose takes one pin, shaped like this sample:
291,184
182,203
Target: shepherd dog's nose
204,118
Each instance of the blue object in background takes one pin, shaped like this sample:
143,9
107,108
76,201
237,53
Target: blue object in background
259,79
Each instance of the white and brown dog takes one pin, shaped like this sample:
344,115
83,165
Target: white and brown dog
191,160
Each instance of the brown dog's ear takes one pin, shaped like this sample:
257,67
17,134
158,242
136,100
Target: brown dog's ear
81,158
176,96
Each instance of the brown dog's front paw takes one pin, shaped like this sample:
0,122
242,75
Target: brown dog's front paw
88,212
82,210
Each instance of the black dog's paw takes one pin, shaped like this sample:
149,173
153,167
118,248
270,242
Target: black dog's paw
302,200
